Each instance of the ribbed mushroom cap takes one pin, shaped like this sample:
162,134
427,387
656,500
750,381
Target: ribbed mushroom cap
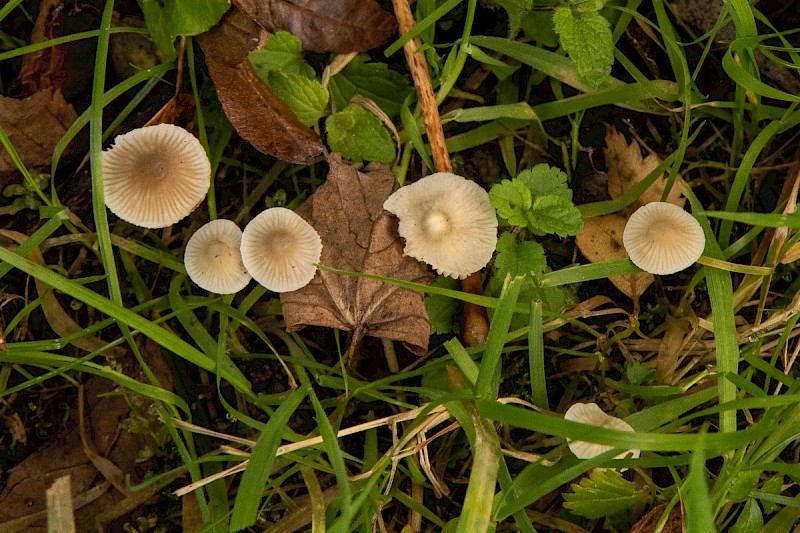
590,413
155,176
662,238
279,249
447,221
213,258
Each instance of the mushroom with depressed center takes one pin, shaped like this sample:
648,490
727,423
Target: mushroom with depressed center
662,238
590,413
213,258
280,249
447,221
155,176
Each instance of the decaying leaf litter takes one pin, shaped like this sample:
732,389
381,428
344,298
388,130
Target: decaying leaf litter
651,353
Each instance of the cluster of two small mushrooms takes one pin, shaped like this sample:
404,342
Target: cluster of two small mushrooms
155,176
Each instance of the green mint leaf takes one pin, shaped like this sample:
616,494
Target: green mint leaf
375,81
587,39
516,10
518,259
554,214
442,309
544,179
512,200
167,19
359,135
306,96
282,51
603,493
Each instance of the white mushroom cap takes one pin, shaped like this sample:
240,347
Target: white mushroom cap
662,238
213,259
279,249
447,222
590,413
155,176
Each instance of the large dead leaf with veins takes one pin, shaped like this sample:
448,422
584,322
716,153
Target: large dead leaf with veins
258,116
358,235
340,26
601,238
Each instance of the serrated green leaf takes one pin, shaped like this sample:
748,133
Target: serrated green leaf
359,135
603,493
442,309
167,19
306,96
282,51
516,10
587,39
519,259
512,200
638,372
375,81
544,179
554,214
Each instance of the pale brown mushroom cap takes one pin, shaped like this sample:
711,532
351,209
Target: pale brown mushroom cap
590,413
280,249
155,176
662,238
447,221
213,258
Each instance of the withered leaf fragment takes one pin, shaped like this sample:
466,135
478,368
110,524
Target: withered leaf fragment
34,126
358,235
339,26
258,116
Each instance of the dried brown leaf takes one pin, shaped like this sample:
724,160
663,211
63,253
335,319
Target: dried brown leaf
339,26
358,235
34,126
650,521
601,240
24,492
626,167
258,116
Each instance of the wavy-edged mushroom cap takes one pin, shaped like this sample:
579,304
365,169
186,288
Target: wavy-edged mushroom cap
155,176
213,258
447,222
590,413
279,249
662,238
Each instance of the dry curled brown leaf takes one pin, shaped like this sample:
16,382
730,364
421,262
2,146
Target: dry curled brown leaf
601,238
258,116
358,235
339,26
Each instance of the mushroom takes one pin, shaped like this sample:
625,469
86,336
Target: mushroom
590,413
279,249
213,258
447,221
155,176
662,238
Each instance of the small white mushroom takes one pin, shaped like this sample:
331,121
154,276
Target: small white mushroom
662,238
155,176
213,258
447,221
590,413
280,249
